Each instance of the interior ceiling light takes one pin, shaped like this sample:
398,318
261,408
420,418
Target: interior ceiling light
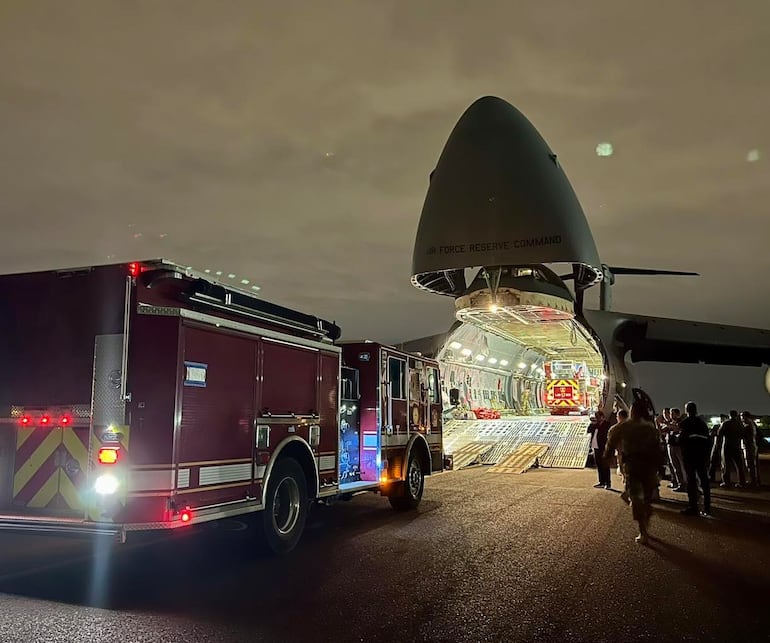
604,149
522,365
558,338
503,362
456,345
752,156
480,358
466,351
492,360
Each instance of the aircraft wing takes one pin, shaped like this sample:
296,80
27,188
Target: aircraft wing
657,339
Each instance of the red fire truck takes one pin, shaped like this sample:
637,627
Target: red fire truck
569,388
147,396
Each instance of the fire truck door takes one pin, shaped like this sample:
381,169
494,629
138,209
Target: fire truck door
394,395
418,395
435,402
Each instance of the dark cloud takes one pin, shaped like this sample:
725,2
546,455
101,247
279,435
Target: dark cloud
290,143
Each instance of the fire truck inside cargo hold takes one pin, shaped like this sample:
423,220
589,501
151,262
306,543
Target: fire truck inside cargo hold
510,383
520,377
148,396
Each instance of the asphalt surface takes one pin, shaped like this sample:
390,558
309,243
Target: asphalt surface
487,557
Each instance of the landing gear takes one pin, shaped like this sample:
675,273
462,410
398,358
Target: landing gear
414,483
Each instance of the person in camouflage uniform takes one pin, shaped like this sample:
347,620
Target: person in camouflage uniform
636,441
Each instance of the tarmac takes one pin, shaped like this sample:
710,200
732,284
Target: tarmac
486,557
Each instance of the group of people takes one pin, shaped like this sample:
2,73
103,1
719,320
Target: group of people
733,447
690,448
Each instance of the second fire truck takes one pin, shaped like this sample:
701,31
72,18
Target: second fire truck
570,388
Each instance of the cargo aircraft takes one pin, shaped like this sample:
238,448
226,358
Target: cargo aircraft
499,224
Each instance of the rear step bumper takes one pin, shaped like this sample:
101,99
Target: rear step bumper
62,527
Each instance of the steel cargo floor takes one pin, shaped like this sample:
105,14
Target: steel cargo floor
490,441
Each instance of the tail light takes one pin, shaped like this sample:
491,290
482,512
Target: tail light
108,455
134,269
186,514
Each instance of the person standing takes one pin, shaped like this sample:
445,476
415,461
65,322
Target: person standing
663,422
599,428
750,448
694,442
675,450
716,452
638,443
731,433
622,416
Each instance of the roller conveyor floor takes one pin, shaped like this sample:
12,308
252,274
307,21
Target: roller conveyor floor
491,441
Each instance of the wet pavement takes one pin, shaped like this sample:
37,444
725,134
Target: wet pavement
487,557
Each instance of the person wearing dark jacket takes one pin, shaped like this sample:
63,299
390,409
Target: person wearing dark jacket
751,448
731,433
598,429
695,444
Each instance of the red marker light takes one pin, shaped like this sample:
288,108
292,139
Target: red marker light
108,455
45,420
134,269
186,515
65,420
25,420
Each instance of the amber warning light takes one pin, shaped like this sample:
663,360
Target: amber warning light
108,455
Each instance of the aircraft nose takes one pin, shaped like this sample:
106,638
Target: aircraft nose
498,196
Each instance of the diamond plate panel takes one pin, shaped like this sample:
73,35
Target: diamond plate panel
107,406
81,410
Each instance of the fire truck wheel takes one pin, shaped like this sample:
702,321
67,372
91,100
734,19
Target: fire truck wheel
286,506
413,486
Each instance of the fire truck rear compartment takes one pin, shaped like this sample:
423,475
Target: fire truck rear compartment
498,385
49,324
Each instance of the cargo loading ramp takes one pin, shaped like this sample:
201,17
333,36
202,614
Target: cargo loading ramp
491,441
523,458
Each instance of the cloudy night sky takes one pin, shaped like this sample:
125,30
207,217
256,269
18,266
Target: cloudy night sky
290,143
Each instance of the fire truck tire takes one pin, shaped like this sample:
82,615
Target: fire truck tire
414,483
286,506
